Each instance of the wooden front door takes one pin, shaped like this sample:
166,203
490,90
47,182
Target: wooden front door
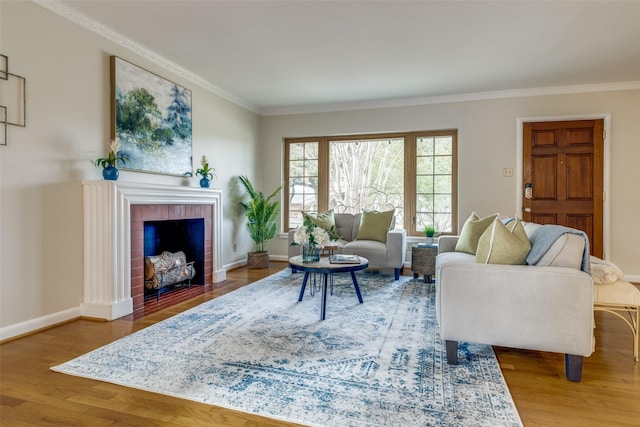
563,176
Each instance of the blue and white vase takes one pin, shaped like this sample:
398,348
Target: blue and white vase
205,182
110,173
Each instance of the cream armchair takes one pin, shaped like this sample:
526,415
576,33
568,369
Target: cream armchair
389,254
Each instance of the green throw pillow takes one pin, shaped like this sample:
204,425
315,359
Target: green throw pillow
472,229
374,225
501,244
325,220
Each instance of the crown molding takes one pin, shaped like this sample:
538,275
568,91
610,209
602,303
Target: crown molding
444,99
84,21
77,18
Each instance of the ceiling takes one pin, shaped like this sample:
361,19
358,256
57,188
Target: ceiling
286,56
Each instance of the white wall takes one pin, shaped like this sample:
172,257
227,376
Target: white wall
487,142
67,77
67,72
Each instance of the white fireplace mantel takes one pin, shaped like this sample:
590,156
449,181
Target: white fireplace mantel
107,239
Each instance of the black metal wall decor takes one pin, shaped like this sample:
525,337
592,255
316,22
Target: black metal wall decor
4,67
13,99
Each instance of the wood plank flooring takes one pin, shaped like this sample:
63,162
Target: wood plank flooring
32,395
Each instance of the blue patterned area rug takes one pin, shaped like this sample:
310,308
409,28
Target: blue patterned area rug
259,350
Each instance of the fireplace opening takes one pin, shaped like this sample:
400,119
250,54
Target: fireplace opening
165,242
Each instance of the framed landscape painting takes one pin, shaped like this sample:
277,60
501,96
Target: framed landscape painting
152,118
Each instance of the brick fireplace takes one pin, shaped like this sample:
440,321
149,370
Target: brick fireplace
113,212
140,214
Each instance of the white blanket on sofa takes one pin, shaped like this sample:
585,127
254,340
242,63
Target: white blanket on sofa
605,272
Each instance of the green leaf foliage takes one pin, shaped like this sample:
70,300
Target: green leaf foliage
429,231
261,212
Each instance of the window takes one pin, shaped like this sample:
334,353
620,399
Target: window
413,173
434,178
302,189
367,174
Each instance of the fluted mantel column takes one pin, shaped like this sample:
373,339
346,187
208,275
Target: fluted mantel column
107,239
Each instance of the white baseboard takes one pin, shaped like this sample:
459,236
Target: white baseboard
235,264
632,278
38,323
107,310
220,275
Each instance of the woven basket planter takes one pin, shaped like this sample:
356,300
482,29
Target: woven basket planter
258,259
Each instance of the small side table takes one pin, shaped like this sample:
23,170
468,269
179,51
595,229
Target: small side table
423,261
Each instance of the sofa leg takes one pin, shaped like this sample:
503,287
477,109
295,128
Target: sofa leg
573,367
396,273
452,352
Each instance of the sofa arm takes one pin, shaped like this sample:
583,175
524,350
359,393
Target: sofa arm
447,243
293,250
528,307
396,247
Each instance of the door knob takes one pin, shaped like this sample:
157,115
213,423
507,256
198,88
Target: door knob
527,210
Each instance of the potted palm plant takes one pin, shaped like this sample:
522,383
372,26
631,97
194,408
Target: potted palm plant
261,212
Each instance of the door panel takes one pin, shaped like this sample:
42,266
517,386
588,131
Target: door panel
563,164
544,218
545,176
581,222
580,165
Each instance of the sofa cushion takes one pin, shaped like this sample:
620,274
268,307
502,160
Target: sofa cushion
472,229
501,244
619,292
324,220
374,251
566,251
446,258
374,225
347,225
530,227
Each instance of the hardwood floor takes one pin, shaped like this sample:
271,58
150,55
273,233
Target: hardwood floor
31,394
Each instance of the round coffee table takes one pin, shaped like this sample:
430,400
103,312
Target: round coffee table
325,268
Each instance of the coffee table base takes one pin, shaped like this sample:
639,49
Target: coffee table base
327,270
325,281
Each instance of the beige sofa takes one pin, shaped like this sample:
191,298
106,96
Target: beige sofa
545,307
389,254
